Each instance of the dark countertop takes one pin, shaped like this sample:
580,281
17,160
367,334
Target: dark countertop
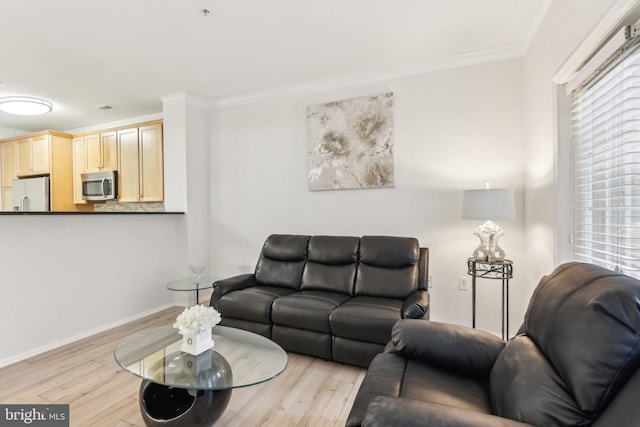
13,213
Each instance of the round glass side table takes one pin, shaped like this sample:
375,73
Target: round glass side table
192,284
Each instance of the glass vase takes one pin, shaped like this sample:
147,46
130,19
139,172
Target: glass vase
488,250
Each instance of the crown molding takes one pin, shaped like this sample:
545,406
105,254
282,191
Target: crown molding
357,79
116,123
186,98
537,13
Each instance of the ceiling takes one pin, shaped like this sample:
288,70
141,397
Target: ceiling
82,54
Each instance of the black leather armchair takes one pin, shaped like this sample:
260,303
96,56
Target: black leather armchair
574,363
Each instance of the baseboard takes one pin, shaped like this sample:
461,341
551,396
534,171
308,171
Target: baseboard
31,353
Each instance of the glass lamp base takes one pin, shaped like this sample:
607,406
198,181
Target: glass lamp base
489,250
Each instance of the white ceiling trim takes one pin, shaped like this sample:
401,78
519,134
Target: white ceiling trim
357,79
114,124
185,98
536,16
534,20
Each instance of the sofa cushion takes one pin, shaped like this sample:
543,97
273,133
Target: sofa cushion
334,278
429,383
388,266
393,375
307,310
331,264
366,318
334,250
525,387
282,260
385,411
286,247
253,304
384,378
388,251
586,320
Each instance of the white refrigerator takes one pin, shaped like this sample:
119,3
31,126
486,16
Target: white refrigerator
31,194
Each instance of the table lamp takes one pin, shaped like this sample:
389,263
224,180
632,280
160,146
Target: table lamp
488,204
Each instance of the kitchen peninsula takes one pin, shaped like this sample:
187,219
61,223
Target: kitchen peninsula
134,152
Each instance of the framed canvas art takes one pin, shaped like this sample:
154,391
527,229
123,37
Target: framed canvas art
351,143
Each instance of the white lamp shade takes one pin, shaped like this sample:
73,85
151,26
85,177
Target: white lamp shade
495,204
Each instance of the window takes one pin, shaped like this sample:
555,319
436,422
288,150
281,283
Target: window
606,164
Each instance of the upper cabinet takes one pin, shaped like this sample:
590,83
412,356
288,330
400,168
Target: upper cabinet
101,151
33,155
42,153
141,164
9,173
151,164
135,152
9,169
79,167
93,152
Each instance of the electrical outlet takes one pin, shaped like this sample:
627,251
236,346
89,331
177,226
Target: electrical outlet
463,283
430,282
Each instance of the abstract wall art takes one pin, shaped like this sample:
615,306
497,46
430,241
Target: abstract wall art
351,143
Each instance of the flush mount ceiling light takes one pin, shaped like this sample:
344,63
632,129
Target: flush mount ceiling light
25,105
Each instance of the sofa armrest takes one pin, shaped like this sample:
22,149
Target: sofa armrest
227,285
402,412
452,347
416,306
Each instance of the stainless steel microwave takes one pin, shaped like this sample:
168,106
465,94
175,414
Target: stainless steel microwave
99,185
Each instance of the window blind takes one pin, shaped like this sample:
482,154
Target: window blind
606,166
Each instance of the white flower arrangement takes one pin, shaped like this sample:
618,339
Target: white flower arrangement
196,318
489,227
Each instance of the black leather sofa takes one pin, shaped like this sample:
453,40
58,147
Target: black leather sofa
333,297
574,362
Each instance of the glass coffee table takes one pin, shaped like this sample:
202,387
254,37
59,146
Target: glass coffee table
179,389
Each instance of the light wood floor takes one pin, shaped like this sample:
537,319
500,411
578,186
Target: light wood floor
310,392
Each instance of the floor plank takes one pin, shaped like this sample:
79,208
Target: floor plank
310,392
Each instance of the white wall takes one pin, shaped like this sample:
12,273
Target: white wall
453,130
67,276
565,25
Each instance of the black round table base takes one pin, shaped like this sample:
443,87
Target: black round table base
166,406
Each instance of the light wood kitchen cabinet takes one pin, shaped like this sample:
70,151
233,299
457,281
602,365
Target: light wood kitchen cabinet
92,153
151,163
79,167
42,153
7,198
8,174
135,152
33,155
9,170
141,164
61,173
128,166
101,151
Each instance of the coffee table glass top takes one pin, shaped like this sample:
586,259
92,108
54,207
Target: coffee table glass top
192,283
238,359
